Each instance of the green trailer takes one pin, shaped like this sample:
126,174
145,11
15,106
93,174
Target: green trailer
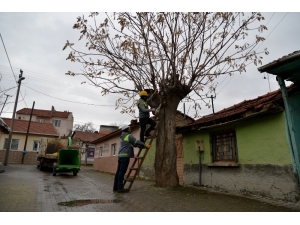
68,160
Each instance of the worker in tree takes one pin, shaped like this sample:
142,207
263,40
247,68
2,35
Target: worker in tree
144,115
125,153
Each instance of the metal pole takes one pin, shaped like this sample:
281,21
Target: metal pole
184,117
212,102
86,151
24,150
200,168
4,104
13,120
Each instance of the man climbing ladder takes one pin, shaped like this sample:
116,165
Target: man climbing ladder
139,158
144,115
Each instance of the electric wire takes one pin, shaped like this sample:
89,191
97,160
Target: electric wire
64,99
256,50
11,67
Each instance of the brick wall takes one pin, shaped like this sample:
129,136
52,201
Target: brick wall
16,157
179,148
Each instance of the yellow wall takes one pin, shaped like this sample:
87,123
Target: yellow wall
22,138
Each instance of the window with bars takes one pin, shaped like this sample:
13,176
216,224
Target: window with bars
224,146
36,146
114,149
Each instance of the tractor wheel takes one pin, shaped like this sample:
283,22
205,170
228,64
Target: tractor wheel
54,172
41,164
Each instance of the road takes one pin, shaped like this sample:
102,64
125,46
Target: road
24,188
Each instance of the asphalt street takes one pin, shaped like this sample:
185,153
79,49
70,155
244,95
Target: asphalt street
24,188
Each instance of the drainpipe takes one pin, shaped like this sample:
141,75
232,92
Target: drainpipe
200,168
201,151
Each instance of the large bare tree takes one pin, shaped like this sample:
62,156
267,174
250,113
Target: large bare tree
179,54
86,127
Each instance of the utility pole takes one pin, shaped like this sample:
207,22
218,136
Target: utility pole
212,102
86,151
184,116
24,150
13,119
4,103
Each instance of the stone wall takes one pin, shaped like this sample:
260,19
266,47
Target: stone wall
276,182
16,157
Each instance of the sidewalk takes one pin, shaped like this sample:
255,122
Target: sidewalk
24,188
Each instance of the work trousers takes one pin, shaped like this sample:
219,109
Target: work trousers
143,125
123,163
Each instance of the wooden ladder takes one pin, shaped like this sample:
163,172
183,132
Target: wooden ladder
138,160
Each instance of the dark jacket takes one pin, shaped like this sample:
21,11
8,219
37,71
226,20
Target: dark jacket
144,110
127,144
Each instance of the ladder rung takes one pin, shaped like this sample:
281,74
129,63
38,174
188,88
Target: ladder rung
139,157
129,179
134,168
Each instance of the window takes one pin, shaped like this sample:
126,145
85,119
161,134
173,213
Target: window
101,151
40,120
114,149
224,146
56,123
36,146
14,144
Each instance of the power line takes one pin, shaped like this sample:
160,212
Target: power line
8,58
273,28
49,80
8,89
11,66
256,48
66,100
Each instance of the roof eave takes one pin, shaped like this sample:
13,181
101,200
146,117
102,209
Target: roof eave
197,127
278,62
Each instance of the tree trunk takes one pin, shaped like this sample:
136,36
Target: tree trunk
166,156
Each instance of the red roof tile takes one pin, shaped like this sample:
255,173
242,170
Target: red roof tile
238,110
89,136
44,113
21,126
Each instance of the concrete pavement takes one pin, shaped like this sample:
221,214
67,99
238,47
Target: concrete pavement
24,188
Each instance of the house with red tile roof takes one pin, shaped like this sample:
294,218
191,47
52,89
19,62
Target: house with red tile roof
243,148
107,147
84,139
62,120
37,130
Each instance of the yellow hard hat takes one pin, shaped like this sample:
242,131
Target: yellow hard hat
143,93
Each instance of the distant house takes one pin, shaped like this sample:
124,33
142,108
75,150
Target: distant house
243,148
63,121
37,131
107,147
84,139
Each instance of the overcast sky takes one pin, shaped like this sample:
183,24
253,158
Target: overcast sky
34,42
